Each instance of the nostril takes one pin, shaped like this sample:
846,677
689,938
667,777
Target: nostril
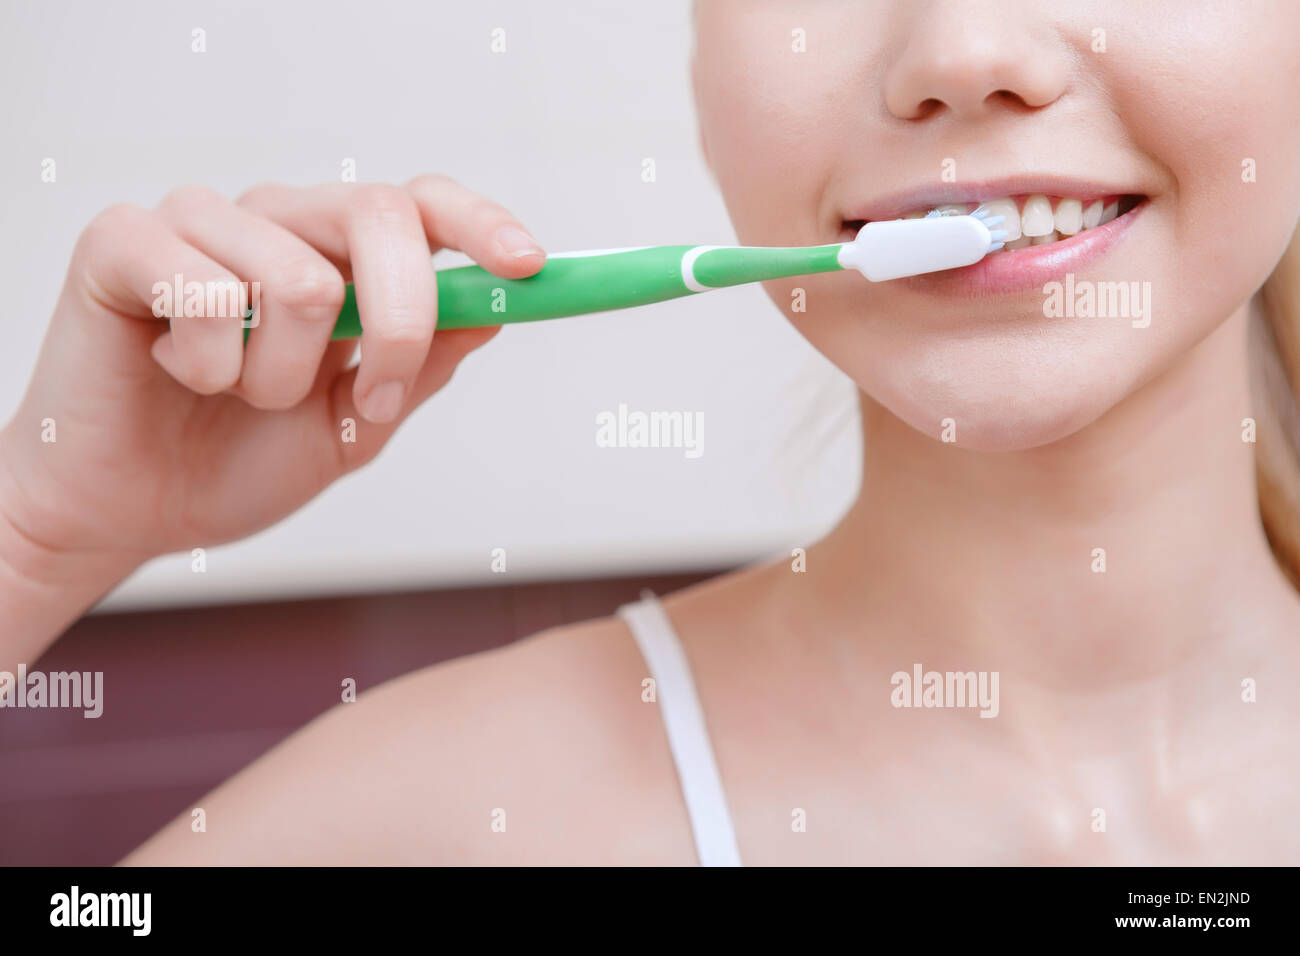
1009,98
927,108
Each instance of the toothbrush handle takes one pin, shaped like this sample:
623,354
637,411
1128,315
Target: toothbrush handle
470,296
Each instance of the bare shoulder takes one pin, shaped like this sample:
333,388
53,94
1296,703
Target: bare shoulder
539,752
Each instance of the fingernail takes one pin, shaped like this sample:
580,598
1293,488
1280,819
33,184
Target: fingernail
518,243
383,403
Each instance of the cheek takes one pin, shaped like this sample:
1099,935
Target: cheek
768,116
1197,100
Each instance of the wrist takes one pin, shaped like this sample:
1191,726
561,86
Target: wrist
44,587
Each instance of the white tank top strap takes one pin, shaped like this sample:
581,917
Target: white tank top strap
688,738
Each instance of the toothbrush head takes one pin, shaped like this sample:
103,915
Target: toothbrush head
909,247
999,236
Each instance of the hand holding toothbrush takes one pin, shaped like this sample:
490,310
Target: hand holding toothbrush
138,436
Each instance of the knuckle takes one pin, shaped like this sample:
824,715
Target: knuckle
307,284
209,378
190,197
488,216
431,182
256,196
480,207
110,231
113,223
278,397
382,203
403,327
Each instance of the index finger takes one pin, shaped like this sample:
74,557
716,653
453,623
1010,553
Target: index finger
458,218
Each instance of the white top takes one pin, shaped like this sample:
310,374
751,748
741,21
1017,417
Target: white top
688,738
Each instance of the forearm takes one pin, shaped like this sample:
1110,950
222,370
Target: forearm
43,590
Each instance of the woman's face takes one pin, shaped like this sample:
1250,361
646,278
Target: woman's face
818,114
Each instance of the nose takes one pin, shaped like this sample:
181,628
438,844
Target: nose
975,58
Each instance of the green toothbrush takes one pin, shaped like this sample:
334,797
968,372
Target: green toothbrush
577,283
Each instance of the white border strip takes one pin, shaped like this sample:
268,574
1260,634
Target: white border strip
688,267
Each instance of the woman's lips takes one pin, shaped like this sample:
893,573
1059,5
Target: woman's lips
1019,270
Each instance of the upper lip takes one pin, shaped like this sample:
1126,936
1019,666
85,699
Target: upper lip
900,203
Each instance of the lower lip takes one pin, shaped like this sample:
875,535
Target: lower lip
1019,270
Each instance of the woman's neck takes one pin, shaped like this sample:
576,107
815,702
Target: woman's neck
998,555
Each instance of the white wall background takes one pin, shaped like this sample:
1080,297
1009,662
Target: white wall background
556,128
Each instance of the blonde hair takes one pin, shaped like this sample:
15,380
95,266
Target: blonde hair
1275,384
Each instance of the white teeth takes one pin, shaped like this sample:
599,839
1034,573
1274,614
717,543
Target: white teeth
1069,216
1092,215
1037,223
1036,220
1011,216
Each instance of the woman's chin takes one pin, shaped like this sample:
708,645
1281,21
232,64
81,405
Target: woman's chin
1002,392
989,420
975,432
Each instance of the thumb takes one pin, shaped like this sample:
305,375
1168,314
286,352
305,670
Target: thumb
359,444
